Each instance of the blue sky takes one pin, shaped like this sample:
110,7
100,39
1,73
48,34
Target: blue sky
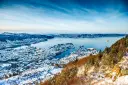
64,16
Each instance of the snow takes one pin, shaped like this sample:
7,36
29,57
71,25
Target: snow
55,71
5,65
34,64
123,80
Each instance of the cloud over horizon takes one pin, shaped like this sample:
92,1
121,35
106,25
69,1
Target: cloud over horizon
64,16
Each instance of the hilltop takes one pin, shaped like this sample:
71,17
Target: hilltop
109,67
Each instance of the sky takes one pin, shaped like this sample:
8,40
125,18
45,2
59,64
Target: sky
64,16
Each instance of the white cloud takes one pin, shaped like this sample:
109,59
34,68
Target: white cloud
83,20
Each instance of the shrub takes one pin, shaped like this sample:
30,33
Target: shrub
127,42
124,72
63,78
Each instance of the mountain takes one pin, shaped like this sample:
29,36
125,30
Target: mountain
21,36
109,67
11,40
88,35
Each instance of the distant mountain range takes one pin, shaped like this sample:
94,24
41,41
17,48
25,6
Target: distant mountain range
21,36
88,35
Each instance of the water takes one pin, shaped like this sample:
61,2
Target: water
45,69
98,43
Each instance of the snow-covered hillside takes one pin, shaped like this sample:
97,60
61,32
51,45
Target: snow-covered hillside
29,64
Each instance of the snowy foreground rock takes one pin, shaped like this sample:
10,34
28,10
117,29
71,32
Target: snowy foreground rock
28,64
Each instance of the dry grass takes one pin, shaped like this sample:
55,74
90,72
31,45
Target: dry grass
110,55
68,74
